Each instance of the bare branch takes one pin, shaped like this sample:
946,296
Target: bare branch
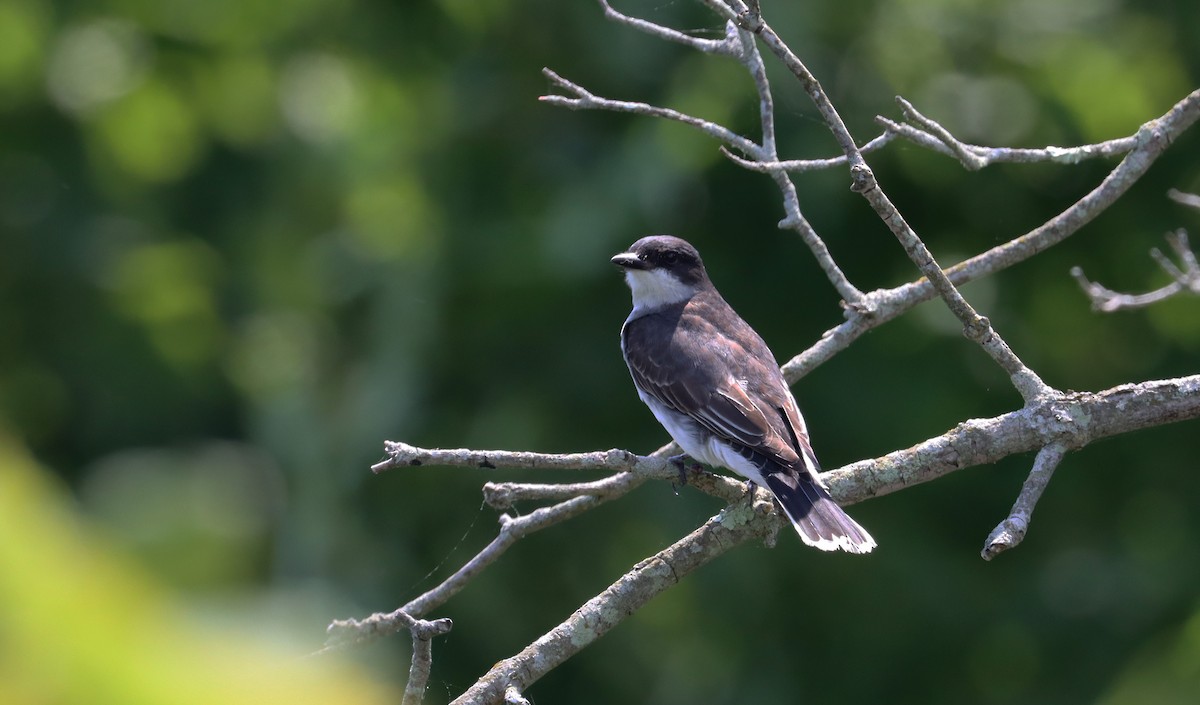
577,498
881,306
346,632
1186,279
976,327
1011,531
726,46
734,526
1187,199
1055,425
958,149
403,455
584,100
422,658
796,166
932,135
350,632
502,495
1071,419
793,219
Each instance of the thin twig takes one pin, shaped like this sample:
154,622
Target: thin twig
503,495
584,100
344,632
796,166
726,46
349,632
974,157
964,153
1186,279
422,657
751,60
404,455
1187,199
1011,531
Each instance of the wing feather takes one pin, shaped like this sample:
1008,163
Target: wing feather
687,372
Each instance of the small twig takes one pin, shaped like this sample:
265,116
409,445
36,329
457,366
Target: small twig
349,631
794,219
502,495
422,658
1011,531
797,166
584,100
512,696
964,152
1186,279
1187,199
726,46
978,156
404,455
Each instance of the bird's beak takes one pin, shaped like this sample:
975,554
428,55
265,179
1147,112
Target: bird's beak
628,260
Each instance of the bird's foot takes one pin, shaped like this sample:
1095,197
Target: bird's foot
683,462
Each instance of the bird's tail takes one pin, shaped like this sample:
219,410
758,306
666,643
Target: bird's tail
818,519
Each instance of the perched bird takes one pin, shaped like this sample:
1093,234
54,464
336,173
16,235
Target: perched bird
711,381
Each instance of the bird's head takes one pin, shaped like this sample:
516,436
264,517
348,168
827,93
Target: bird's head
661,270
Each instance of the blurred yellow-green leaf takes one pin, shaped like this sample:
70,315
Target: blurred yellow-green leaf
84,625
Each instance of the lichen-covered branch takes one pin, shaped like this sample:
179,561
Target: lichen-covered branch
1070,419
1054,425
1011,531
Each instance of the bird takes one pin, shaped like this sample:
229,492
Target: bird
712,382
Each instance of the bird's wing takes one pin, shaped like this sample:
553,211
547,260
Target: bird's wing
687,368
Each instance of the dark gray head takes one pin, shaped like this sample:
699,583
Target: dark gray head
662,270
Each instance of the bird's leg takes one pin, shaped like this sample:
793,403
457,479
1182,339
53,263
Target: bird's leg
682,464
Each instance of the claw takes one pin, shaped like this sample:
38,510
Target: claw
682,463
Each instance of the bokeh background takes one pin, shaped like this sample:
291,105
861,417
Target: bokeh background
242,243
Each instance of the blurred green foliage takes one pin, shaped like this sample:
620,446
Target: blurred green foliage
243,243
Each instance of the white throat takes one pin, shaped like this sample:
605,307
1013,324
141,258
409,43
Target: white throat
654,288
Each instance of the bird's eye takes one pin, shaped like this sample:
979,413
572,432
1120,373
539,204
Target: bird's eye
671,257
